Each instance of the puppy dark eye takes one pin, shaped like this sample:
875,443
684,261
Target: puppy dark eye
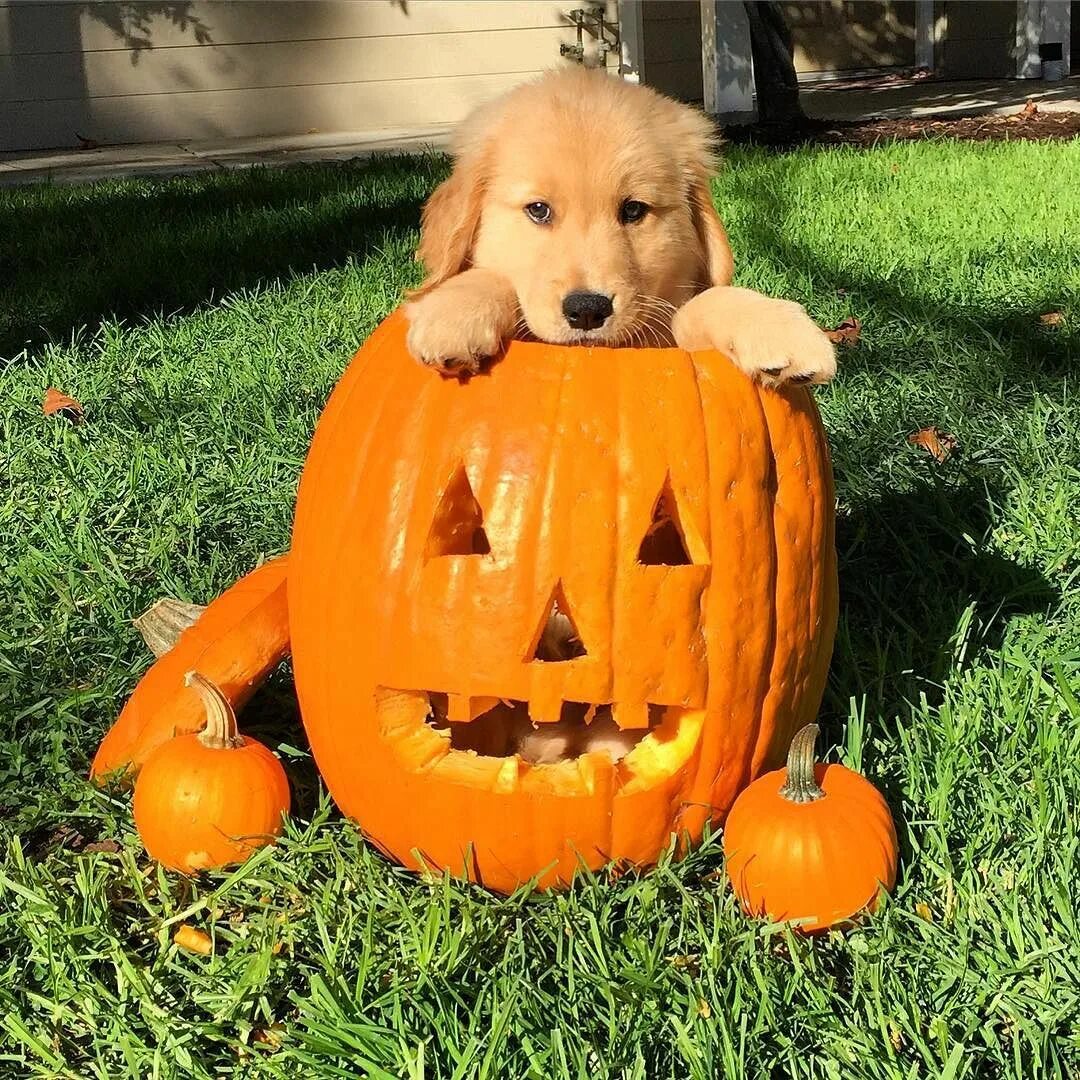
539,212
632,211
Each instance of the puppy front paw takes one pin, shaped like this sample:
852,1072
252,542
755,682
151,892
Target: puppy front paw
775,341
786,345
452,339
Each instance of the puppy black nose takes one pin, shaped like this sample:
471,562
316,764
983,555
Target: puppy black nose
586,310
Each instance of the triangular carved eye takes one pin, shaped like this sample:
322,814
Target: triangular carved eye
458,528
665,542
558,639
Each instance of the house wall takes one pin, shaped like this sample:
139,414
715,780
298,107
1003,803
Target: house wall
851,36
979,39
1074,36
672,47
828,35
131,71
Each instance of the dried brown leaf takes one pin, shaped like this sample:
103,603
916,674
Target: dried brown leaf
57,402
62,836
939,444
109,847
270,1037
1029,111
1052,318
847,333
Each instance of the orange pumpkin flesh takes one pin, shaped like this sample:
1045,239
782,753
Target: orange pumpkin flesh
812,844
209,799
236,642
680,515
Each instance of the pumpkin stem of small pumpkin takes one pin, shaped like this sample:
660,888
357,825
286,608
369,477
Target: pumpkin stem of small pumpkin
220,732
801,787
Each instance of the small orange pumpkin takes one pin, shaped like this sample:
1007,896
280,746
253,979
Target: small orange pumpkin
236,642
675,515
212,798
812,844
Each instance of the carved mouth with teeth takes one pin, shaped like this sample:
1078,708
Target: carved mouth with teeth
506,728
495,743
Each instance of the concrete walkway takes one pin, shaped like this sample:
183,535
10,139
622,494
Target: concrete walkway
853,99
896,99
209,155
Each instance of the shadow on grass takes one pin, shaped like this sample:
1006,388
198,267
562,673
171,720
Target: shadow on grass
273,717
921,594
74,256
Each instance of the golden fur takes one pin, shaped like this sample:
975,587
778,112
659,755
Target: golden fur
583,143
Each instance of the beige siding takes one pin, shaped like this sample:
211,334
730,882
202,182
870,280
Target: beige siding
672,47
123,72
296,63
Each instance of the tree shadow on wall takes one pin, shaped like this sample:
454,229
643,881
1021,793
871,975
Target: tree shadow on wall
132,22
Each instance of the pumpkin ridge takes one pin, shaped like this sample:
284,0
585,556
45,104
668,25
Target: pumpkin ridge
767,685
830,612
797,596
544,590
853,827
314,482
729,402
820,516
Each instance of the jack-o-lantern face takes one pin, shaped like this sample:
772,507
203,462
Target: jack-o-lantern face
624,555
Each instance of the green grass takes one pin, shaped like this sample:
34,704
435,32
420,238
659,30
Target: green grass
203,321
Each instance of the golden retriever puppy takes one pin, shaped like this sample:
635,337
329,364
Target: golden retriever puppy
578,211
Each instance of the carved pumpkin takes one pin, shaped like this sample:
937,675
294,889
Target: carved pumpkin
812,844
677,516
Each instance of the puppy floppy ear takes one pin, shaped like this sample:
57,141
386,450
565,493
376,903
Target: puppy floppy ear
718,265
450,219
695,140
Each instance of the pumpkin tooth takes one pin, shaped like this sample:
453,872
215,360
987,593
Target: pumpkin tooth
630,716
457,708
480,705
462,709
545,705
590,715
506,780
597,771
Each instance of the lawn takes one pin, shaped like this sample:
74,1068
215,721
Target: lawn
203,321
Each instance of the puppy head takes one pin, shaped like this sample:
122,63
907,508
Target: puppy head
591,196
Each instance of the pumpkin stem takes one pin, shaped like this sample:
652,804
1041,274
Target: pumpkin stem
220,732
162,624
801,787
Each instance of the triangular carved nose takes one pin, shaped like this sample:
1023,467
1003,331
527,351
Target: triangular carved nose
558,639
665,543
